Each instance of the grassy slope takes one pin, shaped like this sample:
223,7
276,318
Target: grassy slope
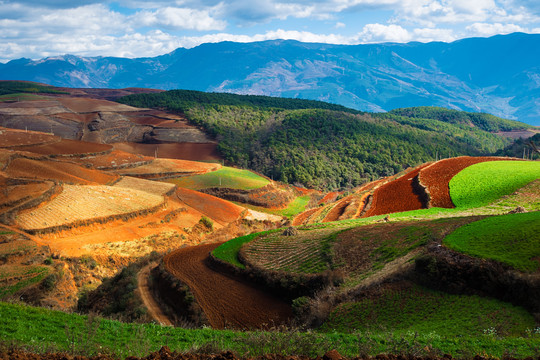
483,183
41,329
511,239
229,177
424,311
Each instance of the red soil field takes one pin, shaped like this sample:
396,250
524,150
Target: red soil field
169,167
182,151
396,196
114,159
18,138
84,118
222,211
337,210
225,301
11,194
302,217
331,196
56,170
436,177
86,105
68,147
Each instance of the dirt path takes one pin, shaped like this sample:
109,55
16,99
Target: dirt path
151,304
227,303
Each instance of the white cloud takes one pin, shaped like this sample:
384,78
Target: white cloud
179,18
485,29
372,33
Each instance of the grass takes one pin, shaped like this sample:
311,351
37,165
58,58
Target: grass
294,208
30,275
511,239
39,329
21,97
418,309
226,177
483,183
228,251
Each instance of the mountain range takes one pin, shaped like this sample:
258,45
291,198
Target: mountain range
498,75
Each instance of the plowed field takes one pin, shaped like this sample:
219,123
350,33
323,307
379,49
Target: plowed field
225,301
169,167
85,105
149,186
114,159
222,211
437,176
11,195
10,137
396,196
184,151
68,147
56,170
84,203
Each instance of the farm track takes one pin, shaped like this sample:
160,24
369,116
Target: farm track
146,295
227,302
436,177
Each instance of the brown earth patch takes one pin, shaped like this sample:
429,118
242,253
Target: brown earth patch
217,209
163,168
68,147
226,302
56,170
84,118
86,105
303,217
182,151
116,159
397,195
436,177
17,138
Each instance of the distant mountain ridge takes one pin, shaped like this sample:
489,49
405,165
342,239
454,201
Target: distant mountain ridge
498,75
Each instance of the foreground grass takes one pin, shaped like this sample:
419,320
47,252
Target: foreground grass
41,330
511,239
483,183
424,311
226,177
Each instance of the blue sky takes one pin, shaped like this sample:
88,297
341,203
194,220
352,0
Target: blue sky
136,28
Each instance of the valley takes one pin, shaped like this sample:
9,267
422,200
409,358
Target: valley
258,229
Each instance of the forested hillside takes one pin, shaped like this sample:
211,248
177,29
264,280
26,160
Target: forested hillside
327,146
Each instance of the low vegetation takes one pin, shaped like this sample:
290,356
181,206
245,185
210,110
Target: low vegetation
17,87
483,183
418,309
226,177
512,239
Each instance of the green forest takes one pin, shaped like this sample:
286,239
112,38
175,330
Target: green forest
326,146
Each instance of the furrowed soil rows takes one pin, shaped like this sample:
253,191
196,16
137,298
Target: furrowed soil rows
183,151
56,170
85,105
84,203
225,301
149,186
222,211
162,168
396,196
18,138
116,159
69,147
436,177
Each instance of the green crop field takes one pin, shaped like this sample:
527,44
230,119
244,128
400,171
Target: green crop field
512,239
422,310
40,330
483,183
22,276
226,177
294,208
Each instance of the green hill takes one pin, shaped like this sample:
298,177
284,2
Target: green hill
322,145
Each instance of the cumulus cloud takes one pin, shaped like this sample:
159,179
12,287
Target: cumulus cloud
179,18
372,33
484,29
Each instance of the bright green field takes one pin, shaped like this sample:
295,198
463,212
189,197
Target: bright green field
422,310
41,330
483,183
20,97
512,239
295,207
228,176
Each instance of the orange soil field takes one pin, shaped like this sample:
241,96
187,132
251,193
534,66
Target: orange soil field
32,108
68,147
82,203
12,137
86,105
396,196
169,167
225,301
84,118
303,217
437,176
338,209
114,159
217,209
20,192
183,151
57,170
149,186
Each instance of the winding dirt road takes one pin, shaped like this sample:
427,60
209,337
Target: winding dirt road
151,304
227,302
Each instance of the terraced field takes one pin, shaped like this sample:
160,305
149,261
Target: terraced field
149,186
79,204
167,168
226,177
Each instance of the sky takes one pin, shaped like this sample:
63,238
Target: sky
137,28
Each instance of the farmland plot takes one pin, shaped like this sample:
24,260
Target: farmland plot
162,168
85,204
149,186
